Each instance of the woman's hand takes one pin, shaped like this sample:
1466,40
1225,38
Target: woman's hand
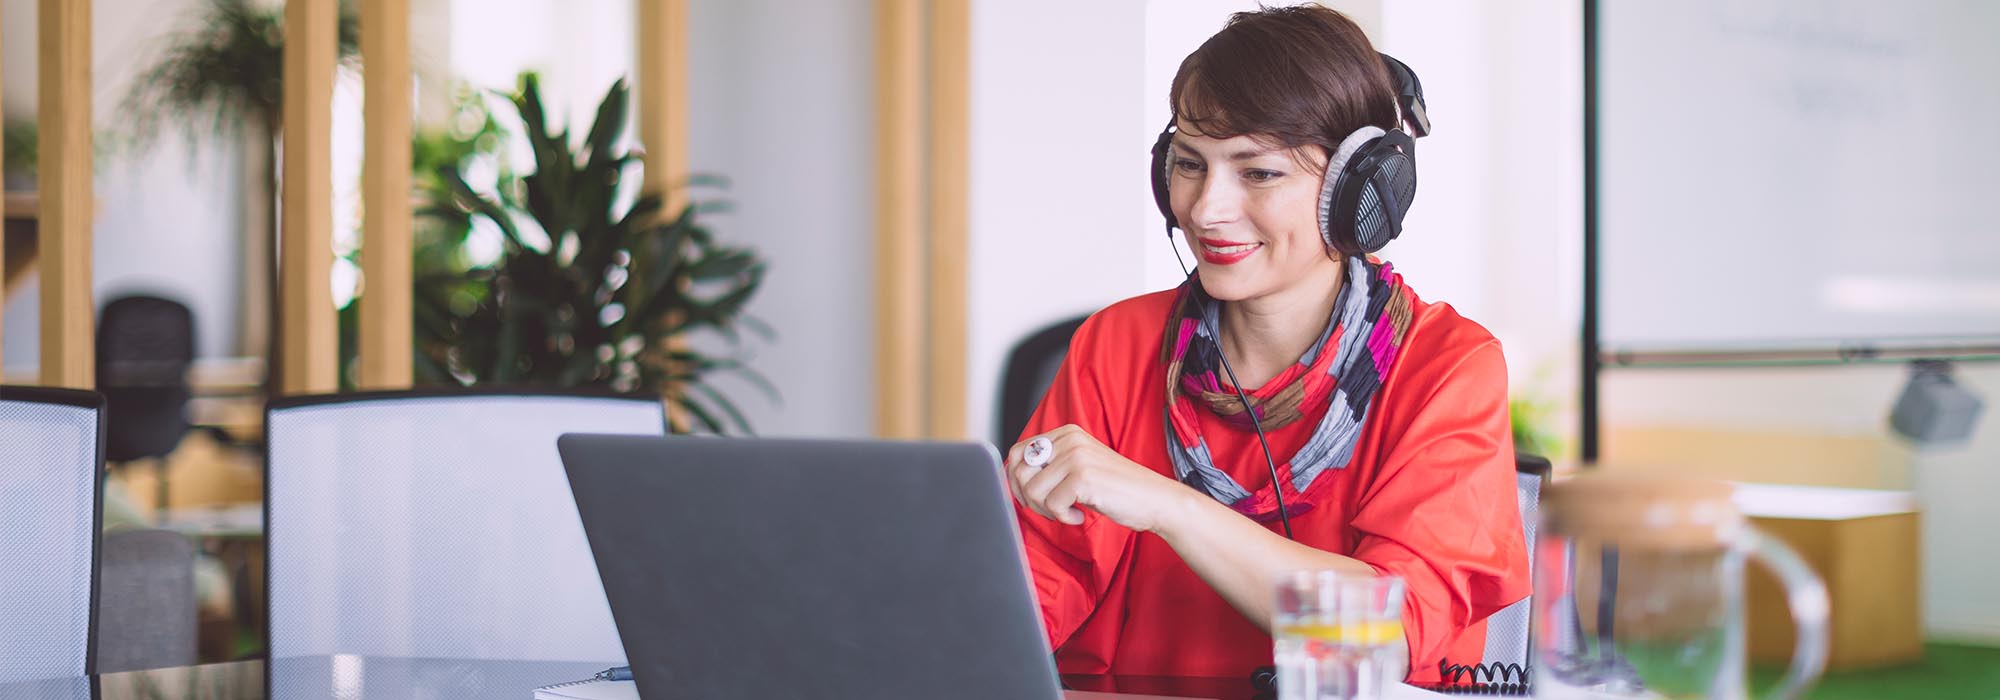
1082,472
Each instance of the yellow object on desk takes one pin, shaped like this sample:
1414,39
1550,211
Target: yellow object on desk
1378,632
1864,543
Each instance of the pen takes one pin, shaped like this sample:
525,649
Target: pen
621,673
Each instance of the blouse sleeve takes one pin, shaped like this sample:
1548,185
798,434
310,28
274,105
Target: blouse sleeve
1442,513
1072,565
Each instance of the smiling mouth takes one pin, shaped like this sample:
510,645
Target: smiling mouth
1230,249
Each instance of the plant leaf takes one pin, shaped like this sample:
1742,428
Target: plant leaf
728,407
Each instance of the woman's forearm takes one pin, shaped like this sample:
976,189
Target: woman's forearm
1241,559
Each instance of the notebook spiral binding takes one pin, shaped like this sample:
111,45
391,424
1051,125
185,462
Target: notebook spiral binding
1503,680
570,684
1518,690
1496,678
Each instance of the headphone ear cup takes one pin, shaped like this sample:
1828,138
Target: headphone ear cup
1384,197
1161,195
1362,204
1336,223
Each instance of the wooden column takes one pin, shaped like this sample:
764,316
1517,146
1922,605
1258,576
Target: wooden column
68,315
948,168
923,104
662,97
386,255
899,210
310,343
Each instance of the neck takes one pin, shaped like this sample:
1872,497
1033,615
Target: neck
1262,336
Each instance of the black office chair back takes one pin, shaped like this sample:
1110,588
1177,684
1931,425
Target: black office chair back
144,347
1031,368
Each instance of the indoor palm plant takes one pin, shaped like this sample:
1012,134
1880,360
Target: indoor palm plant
586,291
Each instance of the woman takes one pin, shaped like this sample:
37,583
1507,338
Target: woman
1151,526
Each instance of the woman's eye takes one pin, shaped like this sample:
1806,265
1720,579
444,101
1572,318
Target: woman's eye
1187,166
1262,175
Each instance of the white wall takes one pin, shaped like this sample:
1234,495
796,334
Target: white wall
1497,228
167,220
579,47
1059,199
782,102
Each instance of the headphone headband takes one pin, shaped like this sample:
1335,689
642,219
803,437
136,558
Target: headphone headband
1409,96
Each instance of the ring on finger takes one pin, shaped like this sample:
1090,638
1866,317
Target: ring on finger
1040,450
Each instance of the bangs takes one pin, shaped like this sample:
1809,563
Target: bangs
1198,102
1288,78
1228,109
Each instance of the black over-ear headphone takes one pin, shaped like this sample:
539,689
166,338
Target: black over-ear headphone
1370,179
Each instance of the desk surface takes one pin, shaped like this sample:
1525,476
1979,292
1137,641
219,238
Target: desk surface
354,677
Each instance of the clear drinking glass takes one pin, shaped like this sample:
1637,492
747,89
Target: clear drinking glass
1338,637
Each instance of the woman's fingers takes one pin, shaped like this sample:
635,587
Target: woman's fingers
1063,501
1037,486
1020,475
1017,480
1041,466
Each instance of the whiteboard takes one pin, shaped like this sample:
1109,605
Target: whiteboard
1793,173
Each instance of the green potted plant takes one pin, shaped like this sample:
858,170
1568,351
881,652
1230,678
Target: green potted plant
586,291
1534,433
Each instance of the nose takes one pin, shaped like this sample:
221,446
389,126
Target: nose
1217,201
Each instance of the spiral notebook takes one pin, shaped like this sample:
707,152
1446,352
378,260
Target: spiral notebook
591,689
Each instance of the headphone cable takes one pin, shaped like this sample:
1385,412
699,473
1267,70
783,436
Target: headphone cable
1256,421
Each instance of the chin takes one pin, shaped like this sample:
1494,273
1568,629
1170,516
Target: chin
1228,284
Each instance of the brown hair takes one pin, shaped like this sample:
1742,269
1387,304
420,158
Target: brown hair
1291,76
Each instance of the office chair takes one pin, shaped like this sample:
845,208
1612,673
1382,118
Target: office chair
1507,631
436,523
145,345
146,601
1030,369
51,452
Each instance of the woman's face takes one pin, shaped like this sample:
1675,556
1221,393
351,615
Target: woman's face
1249,212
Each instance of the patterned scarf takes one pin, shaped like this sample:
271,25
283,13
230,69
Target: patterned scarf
1370,317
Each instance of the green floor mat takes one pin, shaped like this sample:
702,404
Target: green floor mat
1948,671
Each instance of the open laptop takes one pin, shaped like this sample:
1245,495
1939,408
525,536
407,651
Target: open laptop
759,568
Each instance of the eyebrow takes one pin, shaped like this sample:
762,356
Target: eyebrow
1237,156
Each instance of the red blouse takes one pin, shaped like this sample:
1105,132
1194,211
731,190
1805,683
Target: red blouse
1429,497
